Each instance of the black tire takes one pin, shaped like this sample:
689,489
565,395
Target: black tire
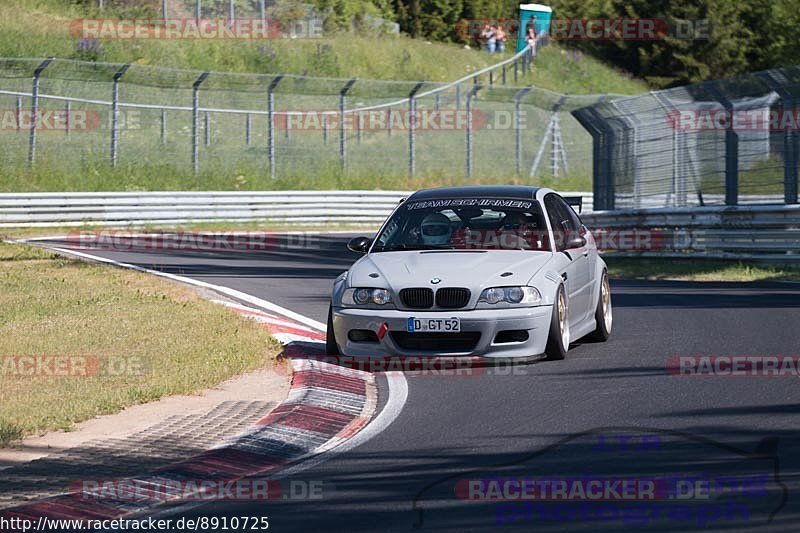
555,349
331,348
603,329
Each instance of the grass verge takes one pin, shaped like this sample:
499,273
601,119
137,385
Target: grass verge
125,337
697,270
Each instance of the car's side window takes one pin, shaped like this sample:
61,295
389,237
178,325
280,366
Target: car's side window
559,220
575,220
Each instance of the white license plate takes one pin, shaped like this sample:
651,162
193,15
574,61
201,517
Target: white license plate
434,324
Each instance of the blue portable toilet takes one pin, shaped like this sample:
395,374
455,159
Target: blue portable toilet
543,16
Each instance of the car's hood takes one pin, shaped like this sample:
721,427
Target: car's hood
458,268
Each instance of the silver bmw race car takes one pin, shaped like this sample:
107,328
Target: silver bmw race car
504,272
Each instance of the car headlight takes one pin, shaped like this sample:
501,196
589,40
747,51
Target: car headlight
521,296
366,296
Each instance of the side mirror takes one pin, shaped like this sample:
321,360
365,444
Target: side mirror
359,244
575,240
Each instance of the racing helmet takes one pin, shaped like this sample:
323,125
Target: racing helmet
435,229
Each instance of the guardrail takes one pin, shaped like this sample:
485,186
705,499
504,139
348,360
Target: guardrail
740,232
136,209
770,233
141,208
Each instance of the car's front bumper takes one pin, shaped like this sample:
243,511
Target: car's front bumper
486,322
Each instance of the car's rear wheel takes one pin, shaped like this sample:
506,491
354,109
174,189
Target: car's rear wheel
603,315
331,348
558,337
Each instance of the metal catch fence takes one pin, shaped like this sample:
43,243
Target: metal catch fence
153,120
732,141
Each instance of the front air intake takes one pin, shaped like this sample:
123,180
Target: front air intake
452,297
417,298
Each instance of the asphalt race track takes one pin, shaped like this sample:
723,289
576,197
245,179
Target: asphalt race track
610,410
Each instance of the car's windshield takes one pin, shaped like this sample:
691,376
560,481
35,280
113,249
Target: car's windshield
465,224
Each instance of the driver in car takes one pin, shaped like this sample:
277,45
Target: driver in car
435,229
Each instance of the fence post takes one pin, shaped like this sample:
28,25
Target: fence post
790,192
504,74
518,126
198,11
790,137
458,96
262,11
67,111
115,114
231,12
164,9
470,95
731,149
359,126
248,125
412,126
602,178
206,129
196,120
35,109
271,121
604,186
556,145
19,112
342,138
325,129
516,69
389,121
163,126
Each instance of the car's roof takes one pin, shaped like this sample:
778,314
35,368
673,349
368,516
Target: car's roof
522,192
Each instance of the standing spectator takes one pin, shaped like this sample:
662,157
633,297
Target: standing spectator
489,37
530,35
500,36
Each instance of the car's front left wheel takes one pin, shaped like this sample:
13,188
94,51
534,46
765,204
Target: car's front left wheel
331,348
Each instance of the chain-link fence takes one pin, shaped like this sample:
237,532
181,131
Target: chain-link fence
229,9
728,142
294,19
152,120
